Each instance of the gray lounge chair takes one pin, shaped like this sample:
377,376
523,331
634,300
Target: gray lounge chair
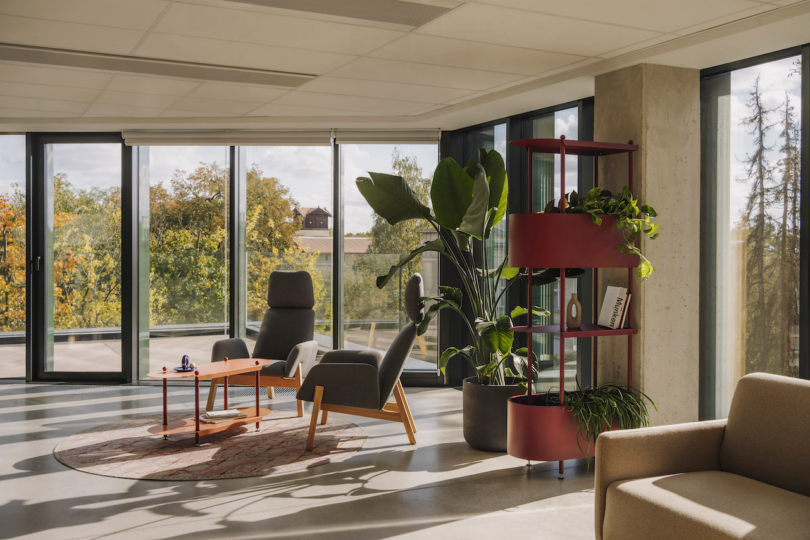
361,382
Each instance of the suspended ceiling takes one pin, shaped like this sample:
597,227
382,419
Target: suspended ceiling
114,64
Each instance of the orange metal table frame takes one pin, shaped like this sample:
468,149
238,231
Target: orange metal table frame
218,370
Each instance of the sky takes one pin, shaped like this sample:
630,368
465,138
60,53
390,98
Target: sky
775,81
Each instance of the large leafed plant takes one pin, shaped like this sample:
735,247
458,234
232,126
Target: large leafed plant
467,203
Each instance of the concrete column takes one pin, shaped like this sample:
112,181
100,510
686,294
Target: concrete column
658,107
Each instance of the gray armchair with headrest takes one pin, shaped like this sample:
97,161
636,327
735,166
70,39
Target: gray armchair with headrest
286,337
361,382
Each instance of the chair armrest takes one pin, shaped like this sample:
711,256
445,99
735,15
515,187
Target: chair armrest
372,358
232,348
303,354
655,451
350,385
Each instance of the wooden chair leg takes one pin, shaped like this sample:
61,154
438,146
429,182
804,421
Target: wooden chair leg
270,393
212,395
316,407
299,380
400,397
407,407
324,414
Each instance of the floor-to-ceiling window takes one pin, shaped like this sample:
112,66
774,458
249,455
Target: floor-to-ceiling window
188,265
372,317
752,138
289,226
12,256
546,175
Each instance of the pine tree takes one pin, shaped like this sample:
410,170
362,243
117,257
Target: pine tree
759,173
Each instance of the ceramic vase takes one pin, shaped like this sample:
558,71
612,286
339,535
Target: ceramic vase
573,321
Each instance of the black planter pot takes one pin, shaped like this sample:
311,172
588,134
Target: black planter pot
485,414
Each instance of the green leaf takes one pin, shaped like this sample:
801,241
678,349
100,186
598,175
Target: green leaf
463,240
536,310
474,221
505,272
496,334
498,183
436,245
468,352
451,193
392,198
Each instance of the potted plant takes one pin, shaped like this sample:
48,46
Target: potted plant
467,203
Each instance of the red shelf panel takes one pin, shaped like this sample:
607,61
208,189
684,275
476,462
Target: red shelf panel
566,241
587,330
574,148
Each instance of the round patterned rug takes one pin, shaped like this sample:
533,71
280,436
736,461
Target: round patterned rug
125,449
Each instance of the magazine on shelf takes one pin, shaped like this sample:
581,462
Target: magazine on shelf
613,306
229,413
625,322
220,420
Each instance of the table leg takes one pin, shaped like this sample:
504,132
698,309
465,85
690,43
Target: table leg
257,399
165,408
197,411
226,393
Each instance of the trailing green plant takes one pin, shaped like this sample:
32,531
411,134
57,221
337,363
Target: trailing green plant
467,203
632,219
595,409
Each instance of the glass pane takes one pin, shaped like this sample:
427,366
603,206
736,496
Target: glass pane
372,317
188,252
289,227
752,168
492,138
12,257
83,260
546,175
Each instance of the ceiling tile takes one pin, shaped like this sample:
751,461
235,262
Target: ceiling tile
125,111
238,92
64,35
35,104
114,97
230,53
563,69
176,113
350,103
381,89
467,98
213,105
533,30
116,13
512,84
273,29
26,73
472,55
638,46
25,113
272,109
759,8
43,91
378,69
152,85
428,109
657,15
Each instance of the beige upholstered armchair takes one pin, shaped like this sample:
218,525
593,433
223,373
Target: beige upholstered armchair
747,477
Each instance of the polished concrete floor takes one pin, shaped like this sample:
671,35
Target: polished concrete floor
439,488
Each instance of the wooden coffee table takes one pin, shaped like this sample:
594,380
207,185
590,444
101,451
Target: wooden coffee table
214,370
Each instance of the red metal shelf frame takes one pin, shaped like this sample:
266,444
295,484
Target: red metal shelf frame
564,239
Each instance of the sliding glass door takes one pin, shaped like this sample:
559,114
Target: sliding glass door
77,261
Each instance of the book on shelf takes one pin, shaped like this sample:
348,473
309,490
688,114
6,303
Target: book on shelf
228,413
614,307
221,420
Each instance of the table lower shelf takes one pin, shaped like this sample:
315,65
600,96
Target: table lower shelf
587,330
187,425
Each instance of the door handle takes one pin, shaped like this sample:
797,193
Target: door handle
35,264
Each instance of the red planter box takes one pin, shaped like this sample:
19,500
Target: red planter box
542,433
566,241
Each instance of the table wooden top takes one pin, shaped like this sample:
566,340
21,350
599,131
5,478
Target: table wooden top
214,370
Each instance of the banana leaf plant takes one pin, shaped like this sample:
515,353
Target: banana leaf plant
467,203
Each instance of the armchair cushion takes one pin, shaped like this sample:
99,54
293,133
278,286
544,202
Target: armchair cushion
372,358
276,369
350,385
706,505
231,348
656,451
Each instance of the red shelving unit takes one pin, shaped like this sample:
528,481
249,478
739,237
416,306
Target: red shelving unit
538,240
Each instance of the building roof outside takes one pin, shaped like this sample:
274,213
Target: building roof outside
305,211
